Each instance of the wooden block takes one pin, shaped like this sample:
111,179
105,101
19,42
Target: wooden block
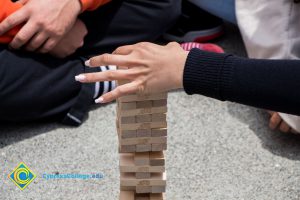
127,106
143,189
159,103
143,141
128,134
127,148
142,196
130,98
127,188
143,111
125,195
137,141
143,133
127,165
144,104
148,125
143,148
128,120
143,175
158,117
158,140
157,158
142,159
159,132
157,197
158,189
129,179
159,147
143,118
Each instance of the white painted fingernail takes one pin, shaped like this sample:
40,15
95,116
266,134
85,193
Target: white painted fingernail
80,77
87,63
100,100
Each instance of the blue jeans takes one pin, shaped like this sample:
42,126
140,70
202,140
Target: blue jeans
224,9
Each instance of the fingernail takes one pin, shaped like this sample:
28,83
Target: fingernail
87,63
100,100
80,77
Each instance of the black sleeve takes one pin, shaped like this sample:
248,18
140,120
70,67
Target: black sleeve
268,84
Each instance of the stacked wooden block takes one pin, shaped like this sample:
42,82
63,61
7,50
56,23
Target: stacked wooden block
142,132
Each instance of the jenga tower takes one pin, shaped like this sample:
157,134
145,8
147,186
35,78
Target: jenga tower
142,131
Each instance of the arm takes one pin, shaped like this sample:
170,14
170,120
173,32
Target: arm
269,84
7,8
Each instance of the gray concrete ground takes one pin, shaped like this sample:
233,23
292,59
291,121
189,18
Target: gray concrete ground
216,151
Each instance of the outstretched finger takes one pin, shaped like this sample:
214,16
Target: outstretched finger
110,75
124,50
108,59
120,91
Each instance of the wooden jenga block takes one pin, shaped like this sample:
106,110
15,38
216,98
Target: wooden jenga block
143,133
143,111
143,148
142,196
158,189
128,188
127,148
127,195
127,106
159,103
159,147
159,132
157,159
128,160
130,98
138,126
144,104
143,175
158,117
143,118
157,197
131,195
143,189
143,141
128,134
129,179
142,159
128,120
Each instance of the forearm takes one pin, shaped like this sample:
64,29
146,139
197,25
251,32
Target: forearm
269,84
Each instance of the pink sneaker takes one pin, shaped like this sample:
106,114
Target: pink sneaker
202,46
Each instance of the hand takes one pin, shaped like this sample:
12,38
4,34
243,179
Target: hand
45,23
73,40
150,68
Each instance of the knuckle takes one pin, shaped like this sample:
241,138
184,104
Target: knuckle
20,39
10,21
173,44
143,45
110,75
106,58
120,91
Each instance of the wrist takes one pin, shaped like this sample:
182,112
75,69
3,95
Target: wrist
180,70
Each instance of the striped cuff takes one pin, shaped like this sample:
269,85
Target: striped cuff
106,86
